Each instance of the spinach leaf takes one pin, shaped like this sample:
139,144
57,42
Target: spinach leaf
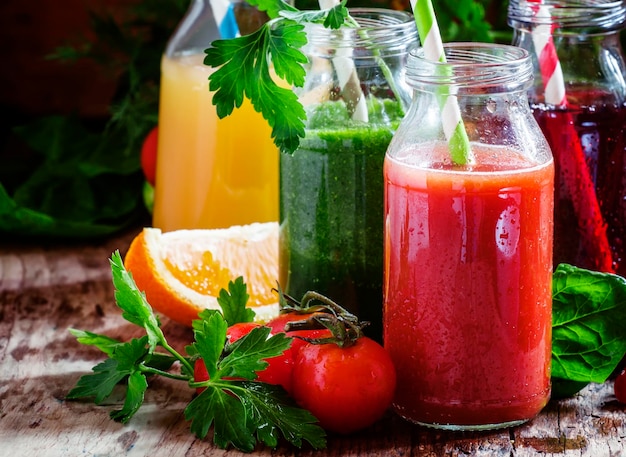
588,326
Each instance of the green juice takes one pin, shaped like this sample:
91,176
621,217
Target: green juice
331,210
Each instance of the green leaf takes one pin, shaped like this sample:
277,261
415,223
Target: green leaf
215,406
589,312
244,71
283,42
197,324
332,18
69,166
131,354
102,342
271,7
463,21
133,303
162,362
100,384
137,386
295,424
210,338
124,360
337,16
233,303
247,355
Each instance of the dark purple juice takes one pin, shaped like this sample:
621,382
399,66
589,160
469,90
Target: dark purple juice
589,148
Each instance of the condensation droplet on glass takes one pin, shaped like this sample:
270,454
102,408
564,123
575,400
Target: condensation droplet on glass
491,106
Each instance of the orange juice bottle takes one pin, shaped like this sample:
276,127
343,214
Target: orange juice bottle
211,172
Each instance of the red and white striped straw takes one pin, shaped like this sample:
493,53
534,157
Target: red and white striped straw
549,65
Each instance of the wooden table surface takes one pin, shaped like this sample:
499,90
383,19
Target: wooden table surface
46,288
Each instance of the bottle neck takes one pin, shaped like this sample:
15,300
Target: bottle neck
584,36
568,17
380,32
472,69
196,31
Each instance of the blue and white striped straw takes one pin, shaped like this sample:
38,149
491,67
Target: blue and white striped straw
224,12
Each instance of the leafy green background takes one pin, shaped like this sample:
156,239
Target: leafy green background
81,178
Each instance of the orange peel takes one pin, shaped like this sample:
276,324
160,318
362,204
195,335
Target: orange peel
182,271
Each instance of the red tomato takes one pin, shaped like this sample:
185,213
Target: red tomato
279,322
278,326
278,372
346,389
200,373
620,387
238,331
149,154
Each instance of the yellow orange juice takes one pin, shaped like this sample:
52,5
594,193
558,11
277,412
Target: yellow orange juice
211,172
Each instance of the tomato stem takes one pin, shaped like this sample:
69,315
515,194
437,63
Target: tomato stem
344,326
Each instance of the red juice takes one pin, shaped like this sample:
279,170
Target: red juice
468,270
588,143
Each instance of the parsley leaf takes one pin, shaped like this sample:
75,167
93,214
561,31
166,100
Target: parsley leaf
332,18
295,423
218,408
102,342
133,303
337,15
233,303
121,364
271,7
241,412
210,335
247,355
238,409
258,407
100,384
243,69
136,388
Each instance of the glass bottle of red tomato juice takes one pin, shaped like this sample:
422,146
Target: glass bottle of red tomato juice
583,116
468,244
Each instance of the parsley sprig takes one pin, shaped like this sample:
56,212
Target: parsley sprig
241,411
243,67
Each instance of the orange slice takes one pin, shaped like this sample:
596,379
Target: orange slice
183,271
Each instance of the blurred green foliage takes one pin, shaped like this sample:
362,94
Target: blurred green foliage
84,179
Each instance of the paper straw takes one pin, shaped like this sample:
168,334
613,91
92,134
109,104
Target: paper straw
549,65
571,160
349,83
453,126
224,12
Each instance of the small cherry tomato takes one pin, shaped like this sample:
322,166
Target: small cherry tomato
279,322
345,388
278,372
149,154
278,326
238,331
200,374
620,387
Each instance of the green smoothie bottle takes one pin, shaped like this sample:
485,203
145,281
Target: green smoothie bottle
331,187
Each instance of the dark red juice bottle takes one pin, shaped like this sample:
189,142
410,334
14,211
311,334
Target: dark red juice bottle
579,100
585,239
